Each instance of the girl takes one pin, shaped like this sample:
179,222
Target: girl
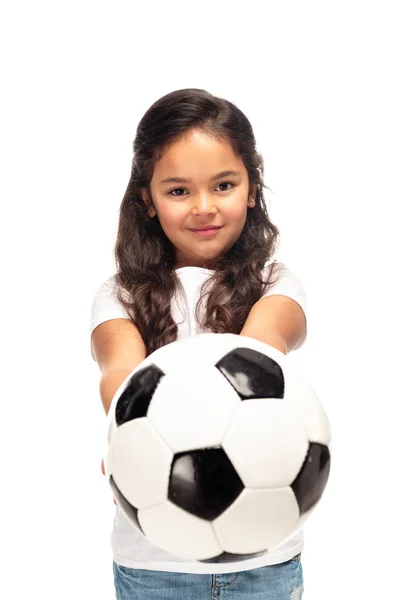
194,253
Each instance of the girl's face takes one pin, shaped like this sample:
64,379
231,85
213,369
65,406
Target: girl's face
189,189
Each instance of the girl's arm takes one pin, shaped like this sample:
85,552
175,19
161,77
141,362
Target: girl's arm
278,321
119,349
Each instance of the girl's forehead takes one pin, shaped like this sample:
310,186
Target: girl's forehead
199,139
198,153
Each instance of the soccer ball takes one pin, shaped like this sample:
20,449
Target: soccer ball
218,449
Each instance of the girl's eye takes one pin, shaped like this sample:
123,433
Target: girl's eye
182,189
176,190
226,183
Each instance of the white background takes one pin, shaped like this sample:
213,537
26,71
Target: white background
320,83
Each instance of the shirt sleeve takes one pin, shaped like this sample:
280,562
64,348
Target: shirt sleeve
287,284
105,306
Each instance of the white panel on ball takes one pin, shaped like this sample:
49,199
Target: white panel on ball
193,408
139,462
202,349
258,520
266,443
306,404
178,532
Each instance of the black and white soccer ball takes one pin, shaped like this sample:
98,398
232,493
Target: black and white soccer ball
218,449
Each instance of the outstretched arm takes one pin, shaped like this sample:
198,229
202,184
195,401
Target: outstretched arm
277,321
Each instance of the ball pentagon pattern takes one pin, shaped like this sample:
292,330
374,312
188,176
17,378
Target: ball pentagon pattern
218,449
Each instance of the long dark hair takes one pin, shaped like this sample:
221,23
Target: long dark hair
145,257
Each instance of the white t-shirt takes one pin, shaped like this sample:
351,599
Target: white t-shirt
130,547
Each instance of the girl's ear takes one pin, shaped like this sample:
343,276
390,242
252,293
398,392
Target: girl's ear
146,199
251,202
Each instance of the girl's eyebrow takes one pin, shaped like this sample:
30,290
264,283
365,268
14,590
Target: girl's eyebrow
213,178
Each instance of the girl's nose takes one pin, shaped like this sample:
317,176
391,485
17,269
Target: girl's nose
204,204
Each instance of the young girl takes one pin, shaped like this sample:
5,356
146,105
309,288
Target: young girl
195,253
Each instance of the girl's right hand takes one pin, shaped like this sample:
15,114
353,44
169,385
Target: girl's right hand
104,472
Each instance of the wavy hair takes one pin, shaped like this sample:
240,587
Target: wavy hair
145,257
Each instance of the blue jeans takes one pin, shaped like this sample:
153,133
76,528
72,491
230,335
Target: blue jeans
283,581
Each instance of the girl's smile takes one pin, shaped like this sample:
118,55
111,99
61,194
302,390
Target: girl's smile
206,232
